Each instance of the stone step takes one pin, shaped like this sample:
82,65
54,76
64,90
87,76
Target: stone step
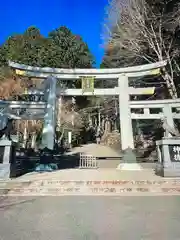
100,183
107,188
91,182
92,191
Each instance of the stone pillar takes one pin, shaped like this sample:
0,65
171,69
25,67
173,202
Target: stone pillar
69,139
3,120
48,134
127,140
5,158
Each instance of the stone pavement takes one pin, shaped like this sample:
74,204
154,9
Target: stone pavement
92,218
93,174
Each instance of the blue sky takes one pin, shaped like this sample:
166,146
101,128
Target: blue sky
83,17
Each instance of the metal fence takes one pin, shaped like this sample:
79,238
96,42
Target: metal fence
87,161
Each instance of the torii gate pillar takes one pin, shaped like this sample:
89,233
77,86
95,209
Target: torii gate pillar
48,133
127,140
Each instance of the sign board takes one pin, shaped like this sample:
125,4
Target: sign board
87,84
20,72
148,91
156,71
174,152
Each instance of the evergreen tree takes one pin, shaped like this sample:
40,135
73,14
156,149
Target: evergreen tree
61,49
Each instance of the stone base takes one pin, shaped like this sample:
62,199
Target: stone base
129,167
129,156
166,172
129,161
168,157
5,171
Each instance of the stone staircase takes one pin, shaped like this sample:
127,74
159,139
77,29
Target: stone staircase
112,139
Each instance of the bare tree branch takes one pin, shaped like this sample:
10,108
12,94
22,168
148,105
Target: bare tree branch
140,29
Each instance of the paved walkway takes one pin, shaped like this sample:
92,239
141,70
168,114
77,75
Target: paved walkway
96,150
91,182
92,218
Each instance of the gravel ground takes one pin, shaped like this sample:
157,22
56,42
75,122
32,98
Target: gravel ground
90,218
95,150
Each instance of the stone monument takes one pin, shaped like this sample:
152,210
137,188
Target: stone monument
168,149
6,151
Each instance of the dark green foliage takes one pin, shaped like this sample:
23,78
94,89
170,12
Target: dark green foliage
3,60
60,49
72,51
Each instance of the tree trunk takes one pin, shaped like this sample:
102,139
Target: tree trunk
170,84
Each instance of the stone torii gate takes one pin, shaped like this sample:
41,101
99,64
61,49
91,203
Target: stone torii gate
123,91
